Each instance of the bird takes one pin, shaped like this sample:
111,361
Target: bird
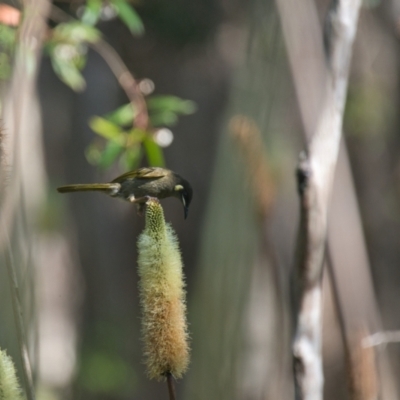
138,185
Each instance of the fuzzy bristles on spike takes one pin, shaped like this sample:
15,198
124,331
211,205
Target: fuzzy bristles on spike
9,386
162,297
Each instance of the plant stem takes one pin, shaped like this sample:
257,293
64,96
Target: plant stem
171,387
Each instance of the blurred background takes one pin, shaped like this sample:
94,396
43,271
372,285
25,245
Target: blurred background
237,135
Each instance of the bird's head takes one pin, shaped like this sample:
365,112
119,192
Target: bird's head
184,192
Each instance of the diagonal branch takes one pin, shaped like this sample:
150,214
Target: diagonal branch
125,78
315,172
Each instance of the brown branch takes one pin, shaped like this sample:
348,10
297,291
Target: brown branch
120,70
126,80
323,124
361,366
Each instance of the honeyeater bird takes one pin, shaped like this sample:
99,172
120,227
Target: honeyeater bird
136,186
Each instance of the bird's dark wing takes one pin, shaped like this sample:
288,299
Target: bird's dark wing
143,173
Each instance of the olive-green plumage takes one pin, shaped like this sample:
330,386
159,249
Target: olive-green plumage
135,186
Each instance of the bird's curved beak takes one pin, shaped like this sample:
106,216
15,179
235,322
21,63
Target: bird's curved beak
185,207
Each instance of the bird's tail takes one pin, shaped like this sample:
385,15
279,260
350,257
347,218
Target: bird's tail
109,188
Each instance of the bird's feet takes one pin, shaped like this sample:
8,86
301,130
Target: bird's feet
141,202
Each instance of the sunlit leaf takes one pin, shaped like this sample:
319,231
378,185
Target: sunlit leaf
110,153
75,32
69,74
105,128
154,153
122,116
92,12
172,104
129,16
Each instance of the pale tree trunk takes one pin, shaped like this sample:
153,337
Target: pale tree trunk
22,185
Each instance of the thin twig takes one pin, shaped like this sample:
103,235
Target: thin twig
171,387
120,70
380,338
126,80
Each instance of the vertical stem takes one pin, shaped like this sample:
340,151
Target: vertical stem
20,329
171,387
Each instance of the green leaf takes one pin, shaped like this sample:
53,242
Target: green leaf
110,153
92,12
84,33
75,32
163,118
135,136
69,74
154,153
122,116
129,16
105,128
171,103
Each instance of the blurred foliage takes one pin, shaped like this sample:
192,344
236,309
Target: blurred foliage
7,42
182,22
101,370
52,214
104,373
164,110
94,8
367,110
123,141
119,139
67,47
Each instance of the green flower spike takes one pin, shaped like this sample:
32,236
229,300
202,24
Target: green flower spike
162,297
9,386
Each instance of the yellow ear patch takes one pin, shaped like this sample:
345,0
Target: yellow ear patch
177,188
